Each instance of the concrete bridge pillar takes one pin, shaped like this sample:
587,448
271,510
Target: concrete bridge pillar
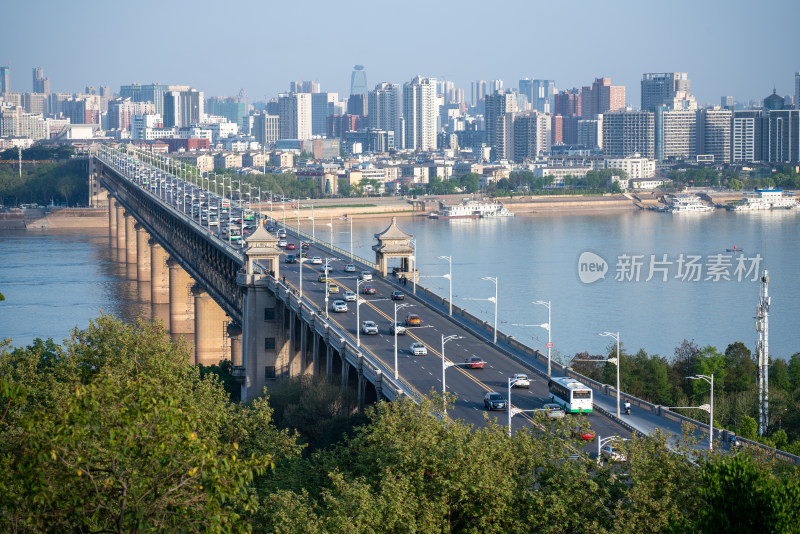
181,304
294,364
120,216
362,388
142,255
315,370
329,361
159,283
379,386
209,324
235,334
130,238
304,368
112,221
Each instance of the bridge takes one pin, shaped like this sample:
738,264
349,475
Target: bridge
240,298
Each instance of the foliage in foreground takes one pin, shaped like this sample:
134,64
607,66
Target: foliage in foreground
114,431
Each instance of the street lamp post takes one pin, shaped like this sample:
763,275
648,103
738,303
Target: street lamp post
615,361
546,326
709,407
445,365
358,310
414,265
490,299
394,327
449,277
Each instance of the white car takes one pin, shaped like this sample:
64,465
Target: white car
282,243
366,276
399,327
339,306
612,453
369,327
349,296
520,380
418,349
349,268
316,260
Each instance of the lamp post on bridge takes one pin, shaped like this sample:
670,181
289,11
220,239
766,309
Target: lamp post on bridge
616,361
546,326
445,365
449,277
394,328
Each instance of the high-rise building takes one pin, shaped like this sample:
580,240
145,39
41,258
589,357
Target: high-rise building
304,87
727,102
568,103
590,132
266,129
40,83
183,107
82,109
383,109
784,136
233,108
601,97
146,93
323,105
294,110
774,101
35,103
15,122
358,81
122,110
675,134
540,93
500,108
714,133
478,91
747,136
626,133
663,89
531,135
495,85
797,90
420,112
5,80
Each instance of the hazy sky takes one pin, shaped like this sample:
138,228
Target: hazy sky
728,47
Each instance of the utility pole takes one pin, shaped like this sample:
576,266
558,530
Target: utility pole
762,328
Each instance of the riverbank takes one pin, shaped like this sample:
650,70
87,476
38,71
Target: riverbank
53,218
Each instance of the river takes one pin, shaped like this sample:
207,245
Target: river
54,281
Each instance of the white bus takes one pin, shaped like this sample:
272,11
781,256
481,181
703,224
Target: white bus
573,396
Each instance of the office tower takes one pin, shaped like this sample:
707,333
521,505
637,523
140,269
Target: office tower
774,101
383,111
601,97
447,90
40,83
420,112
478,91
304,87
183,107
663,88
323,105
266,129
784,136
15,122
626,133
675,134
500,109
714,133
294,110
568,103
495,85
358,81
146,93
797,90
5,80
747,136
357,105
727,102
232,108
540,94
531,135
83,109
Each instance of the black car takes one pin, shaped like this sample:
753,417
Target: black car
290,258
494,401
398,295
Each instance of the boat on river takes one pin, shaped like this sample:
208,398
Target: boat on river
766,199
688,204
470,209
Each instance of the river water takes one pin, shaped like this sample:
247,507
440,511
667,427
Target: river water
54,281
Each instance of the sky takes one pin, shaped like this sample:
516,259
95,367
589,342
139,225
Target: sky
728,47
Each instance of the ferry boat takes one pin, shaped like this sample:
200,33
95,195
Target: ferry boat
470,209
688,204
767,199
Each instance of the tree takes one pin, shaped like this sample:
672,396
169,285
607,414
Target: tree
747,428
738,495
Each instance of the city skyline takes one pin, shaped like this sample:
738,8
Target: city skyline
613,40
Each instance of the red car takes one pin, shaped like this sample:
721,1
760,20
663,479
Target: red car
398,295
474,363
304,246
369,290
583,433
413,320
290,246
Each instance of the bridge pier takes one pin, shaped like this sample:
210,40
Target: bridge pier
142,255
209,320
329,360
120,216
315,370
181,304
159,283
112,222
130,245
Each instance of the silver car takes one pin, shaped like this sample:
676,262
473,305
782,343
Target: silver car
418,349
339,306
349,296
369,327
